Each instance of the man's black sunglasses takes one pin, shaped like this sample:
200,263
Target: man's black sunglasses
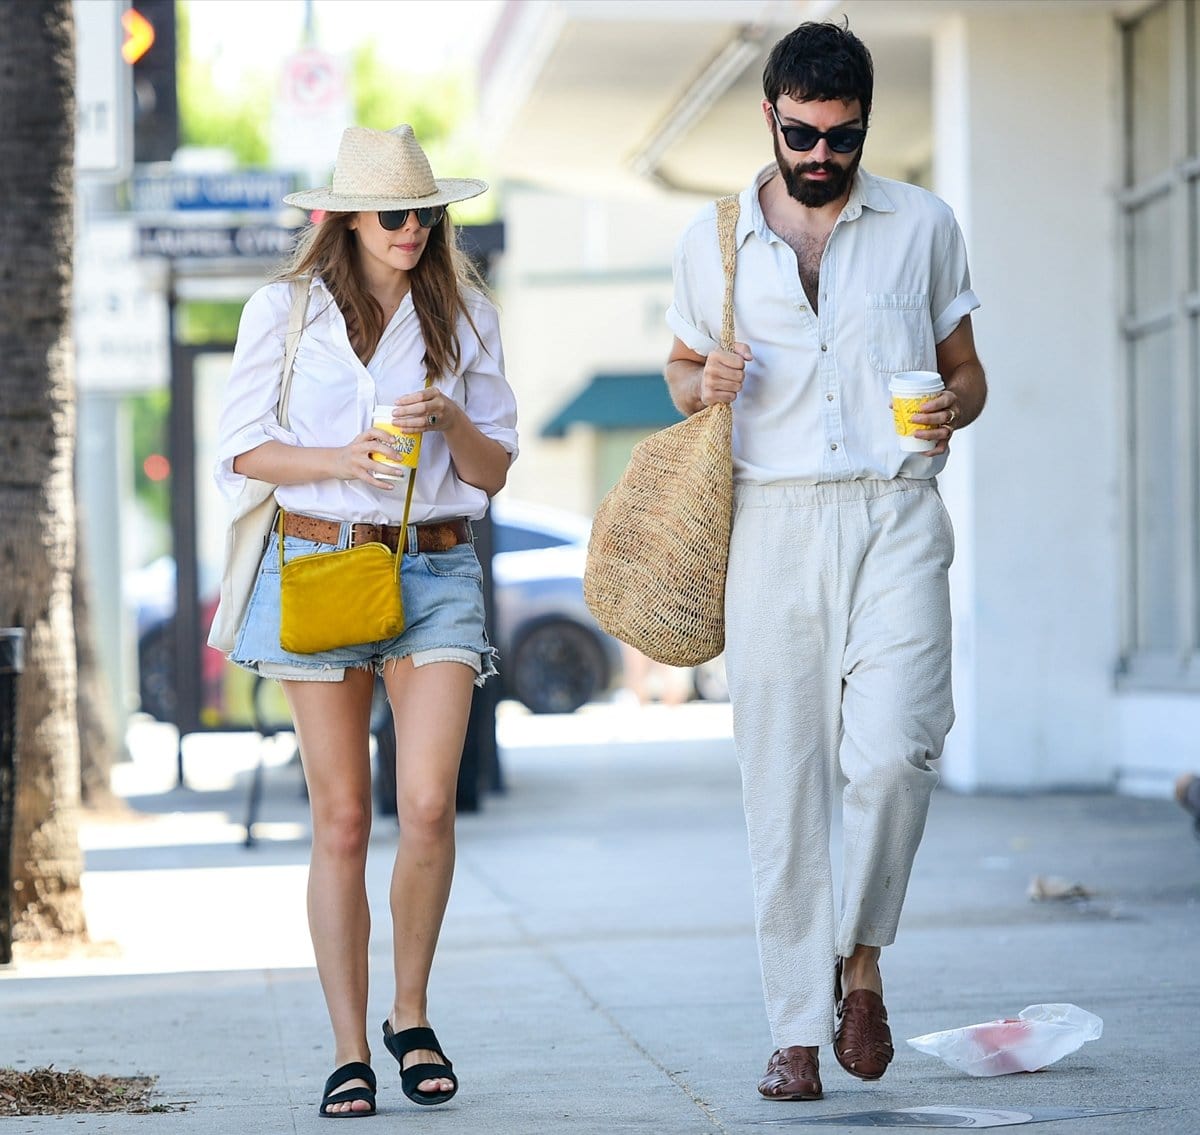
393,219
841,139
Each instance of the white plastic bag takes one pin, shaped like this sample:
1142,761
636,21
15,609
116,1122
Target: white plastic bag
1037,1038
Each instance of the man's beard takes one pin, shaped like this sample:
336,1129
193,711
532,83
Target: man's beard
814,194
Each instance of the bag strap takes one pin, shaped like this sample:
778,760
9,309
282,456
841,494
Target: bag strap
412,479
728,210
300,290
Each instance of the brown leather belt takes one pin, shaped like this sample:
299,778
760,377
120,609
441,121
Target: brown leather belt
438,537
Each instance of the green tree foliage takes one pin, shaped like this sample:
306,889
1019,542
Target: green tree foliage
209,321
211,117
148,415
435,106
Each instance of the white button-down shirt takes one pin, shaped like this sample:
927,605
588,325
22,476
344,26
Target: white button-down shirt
815,403
333,393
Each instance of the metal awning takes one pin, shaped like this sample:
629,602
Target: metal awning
617,402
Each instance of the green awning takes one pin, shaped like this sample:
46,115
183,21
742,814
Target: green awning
617,402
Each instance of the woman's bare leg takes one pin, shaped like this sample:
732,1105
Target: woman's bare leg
430,705
332,721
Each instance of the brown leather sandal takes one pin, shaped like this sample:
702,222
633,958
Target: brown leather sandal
793,1073
862,1041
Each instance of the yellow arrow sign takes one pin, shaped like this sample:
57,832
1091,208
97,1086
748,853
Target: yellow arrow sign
139,35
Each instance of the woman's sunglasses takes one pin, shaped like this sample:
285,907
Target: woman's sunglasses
393,219
841,139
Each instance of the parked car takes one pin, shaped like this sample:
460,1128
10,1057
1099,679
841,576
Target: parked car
554,657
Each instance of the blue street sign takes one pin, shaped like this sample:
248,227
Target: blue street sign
236,191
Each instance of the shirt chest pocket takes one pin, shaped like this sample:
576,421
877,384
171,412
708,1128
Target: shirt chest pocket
900,332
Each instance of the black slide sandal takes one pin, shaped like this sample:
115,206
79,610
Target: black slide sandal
355,1070
405,1041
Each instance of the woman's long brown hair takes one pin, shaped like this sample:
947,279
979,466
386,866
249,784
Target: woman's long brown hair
329,249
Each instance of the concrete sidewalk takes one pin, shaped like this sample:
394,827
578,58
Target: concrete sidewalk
597,971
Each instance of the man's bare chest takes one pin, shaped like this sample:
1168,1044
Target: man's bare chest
809,248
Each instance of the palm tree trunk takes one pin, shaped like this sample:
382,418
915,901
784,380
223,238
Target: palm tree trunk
37,442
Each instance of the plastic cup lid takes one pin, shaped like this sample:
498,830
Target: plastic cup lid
916,382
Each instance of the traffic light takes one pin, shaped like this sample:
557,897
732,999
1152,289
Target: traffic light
155,106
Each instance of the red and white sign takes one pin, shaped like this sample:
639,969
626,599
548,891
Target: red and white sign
313,82
310,114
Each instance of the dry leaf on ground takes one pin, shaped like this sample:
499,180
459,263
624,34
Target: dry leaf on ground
44,1091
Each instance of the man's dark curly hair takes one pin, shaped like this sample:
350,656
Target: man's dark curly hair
820,61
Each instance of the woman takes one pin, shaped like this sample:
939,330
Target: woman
392,318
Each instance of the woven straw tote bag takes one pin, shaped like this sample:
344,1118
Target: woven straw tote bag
655,572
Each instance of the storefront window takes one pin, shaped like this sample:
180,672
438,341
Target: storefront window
1160,208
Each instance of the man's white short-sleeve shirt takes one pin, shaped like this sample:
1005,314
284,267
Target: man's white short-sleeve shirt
815,404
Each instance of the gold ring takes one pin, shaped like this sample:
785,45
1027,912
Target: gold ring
953,415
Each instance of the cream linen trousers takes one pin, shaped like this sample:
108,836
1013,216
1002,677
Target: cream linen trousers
838,653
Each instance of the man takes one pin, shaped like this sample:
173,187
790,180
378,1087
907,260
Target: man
837,603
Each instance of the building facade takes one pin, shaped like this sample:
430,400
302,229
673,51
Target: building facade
1066,135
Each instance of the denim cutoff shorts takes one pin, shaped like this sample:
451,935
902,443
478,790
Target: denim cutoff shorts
443,618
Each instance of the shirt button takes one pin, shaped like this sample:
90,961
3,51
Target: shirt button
828,397
834,446
824,346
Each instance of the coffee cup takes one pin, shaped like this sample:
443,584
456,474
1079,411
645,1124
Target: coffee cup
911,389
406,447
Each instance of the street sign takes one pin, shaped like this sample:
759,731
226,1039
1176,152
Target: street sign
103,91
236,191
312,109
120,332
212,242
313,82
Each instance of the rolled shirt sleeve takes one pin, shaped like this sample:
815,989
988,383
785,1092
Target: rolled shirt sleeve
693,285
952,296
488,398
249,408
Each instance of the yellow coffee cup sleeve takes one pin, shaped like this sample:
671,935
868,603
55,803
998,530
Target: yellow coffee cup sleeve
903,410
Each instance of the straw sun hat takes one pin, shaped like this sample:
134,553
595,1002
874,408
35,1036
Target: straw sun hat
384,169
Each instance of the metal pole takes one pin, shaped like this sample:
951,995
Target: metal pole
310,25
12,662
181,446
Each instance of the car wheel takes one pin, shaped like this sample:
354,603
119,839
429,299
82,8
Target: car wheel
557,666
156,672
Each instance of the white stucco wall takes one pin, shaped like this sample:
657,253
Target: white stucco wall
1156,735
1025,150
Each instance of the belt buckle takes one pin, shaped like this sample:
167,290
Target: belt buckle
359,534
